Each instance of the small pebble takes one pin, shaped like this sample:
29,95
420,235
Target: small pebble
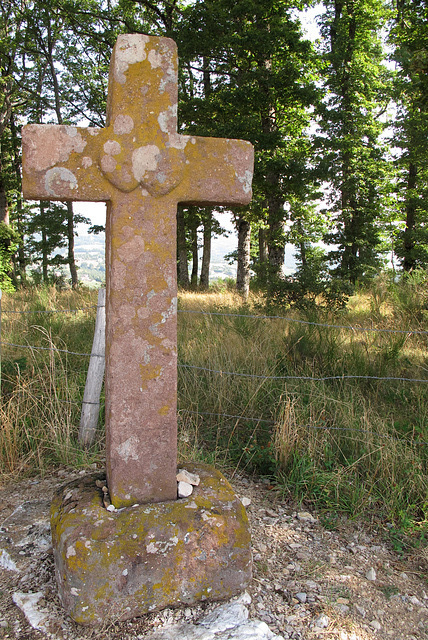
371,574
375,625
186,476
184,489
322,621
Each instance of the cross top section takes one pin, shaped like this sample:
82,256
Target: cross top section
142,168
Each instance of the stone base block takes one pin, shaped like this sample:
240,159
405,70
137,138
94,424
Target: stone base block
143,558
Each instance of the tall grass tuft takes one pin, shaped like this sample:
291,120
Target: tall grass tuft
42,385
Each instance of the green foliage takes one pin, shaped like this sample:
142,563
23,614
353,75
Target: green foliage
410,38
8,244
247,72
351,157
309,287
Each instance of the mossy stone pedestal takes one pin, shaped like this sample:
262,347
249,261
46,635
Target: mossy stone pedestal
115,566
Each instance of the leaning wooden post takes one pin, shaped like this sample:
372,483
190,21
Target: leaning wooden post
94,380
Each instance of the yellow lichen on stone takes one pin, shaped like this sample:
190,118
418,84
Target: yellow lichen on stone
145,558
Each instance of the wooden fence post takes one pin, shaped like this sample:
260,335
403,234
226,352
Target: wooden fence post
94,380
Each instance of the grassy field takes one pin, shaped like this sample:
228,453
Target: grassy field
341,444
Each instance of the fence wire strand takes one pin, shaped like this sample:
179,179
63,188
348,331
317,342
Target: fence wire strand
244,315
306,426
307,322
232,373
35,312
308,378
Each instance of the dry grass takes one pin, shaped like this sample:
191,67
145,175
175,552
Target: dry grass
353,445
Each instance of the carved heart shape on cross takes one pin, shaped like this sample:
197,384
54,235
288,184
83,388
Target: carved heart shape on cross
157,168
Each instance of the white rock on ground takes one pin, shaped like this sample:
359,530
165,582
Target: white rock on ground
6,561
227,622
371,574
29,605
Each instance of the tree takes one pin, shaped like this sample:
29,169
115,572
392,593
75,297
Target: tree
258,68
351,157
12,100
46,231
410,37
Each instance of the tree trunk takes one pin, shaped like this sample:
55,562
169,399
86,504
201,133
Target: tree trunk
276,236
204,280
19,208
182,266
244,245
70,216
409,261
4,206
45,253
194,275
263,250
70,236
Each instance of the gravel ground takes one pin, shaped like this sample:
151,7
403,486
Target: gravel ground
309,582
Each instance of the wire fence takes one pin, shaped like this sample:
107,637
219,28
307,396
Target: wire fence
409,331
218,415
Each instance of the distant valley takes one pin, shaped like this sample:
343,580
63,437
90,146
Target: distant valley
90,257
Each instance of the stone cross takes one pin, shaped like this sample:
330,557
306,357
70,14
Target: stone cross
142,168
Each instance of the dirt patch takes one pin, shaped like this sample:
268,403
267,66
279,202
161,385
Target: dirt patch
309,582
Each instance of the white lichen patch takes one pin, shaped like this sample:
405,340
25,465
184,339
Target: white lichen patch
112,147
167,119
123,124
77,142
246,180
71,131
59,181
177,141
127,449
144,159
162,546
71,551
86,162
170,76
108,164
172,310
129,49
155,59
48,145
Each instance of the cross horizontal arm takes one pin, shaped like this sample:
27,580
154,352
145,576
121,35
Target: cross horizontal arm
59,162
219,171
